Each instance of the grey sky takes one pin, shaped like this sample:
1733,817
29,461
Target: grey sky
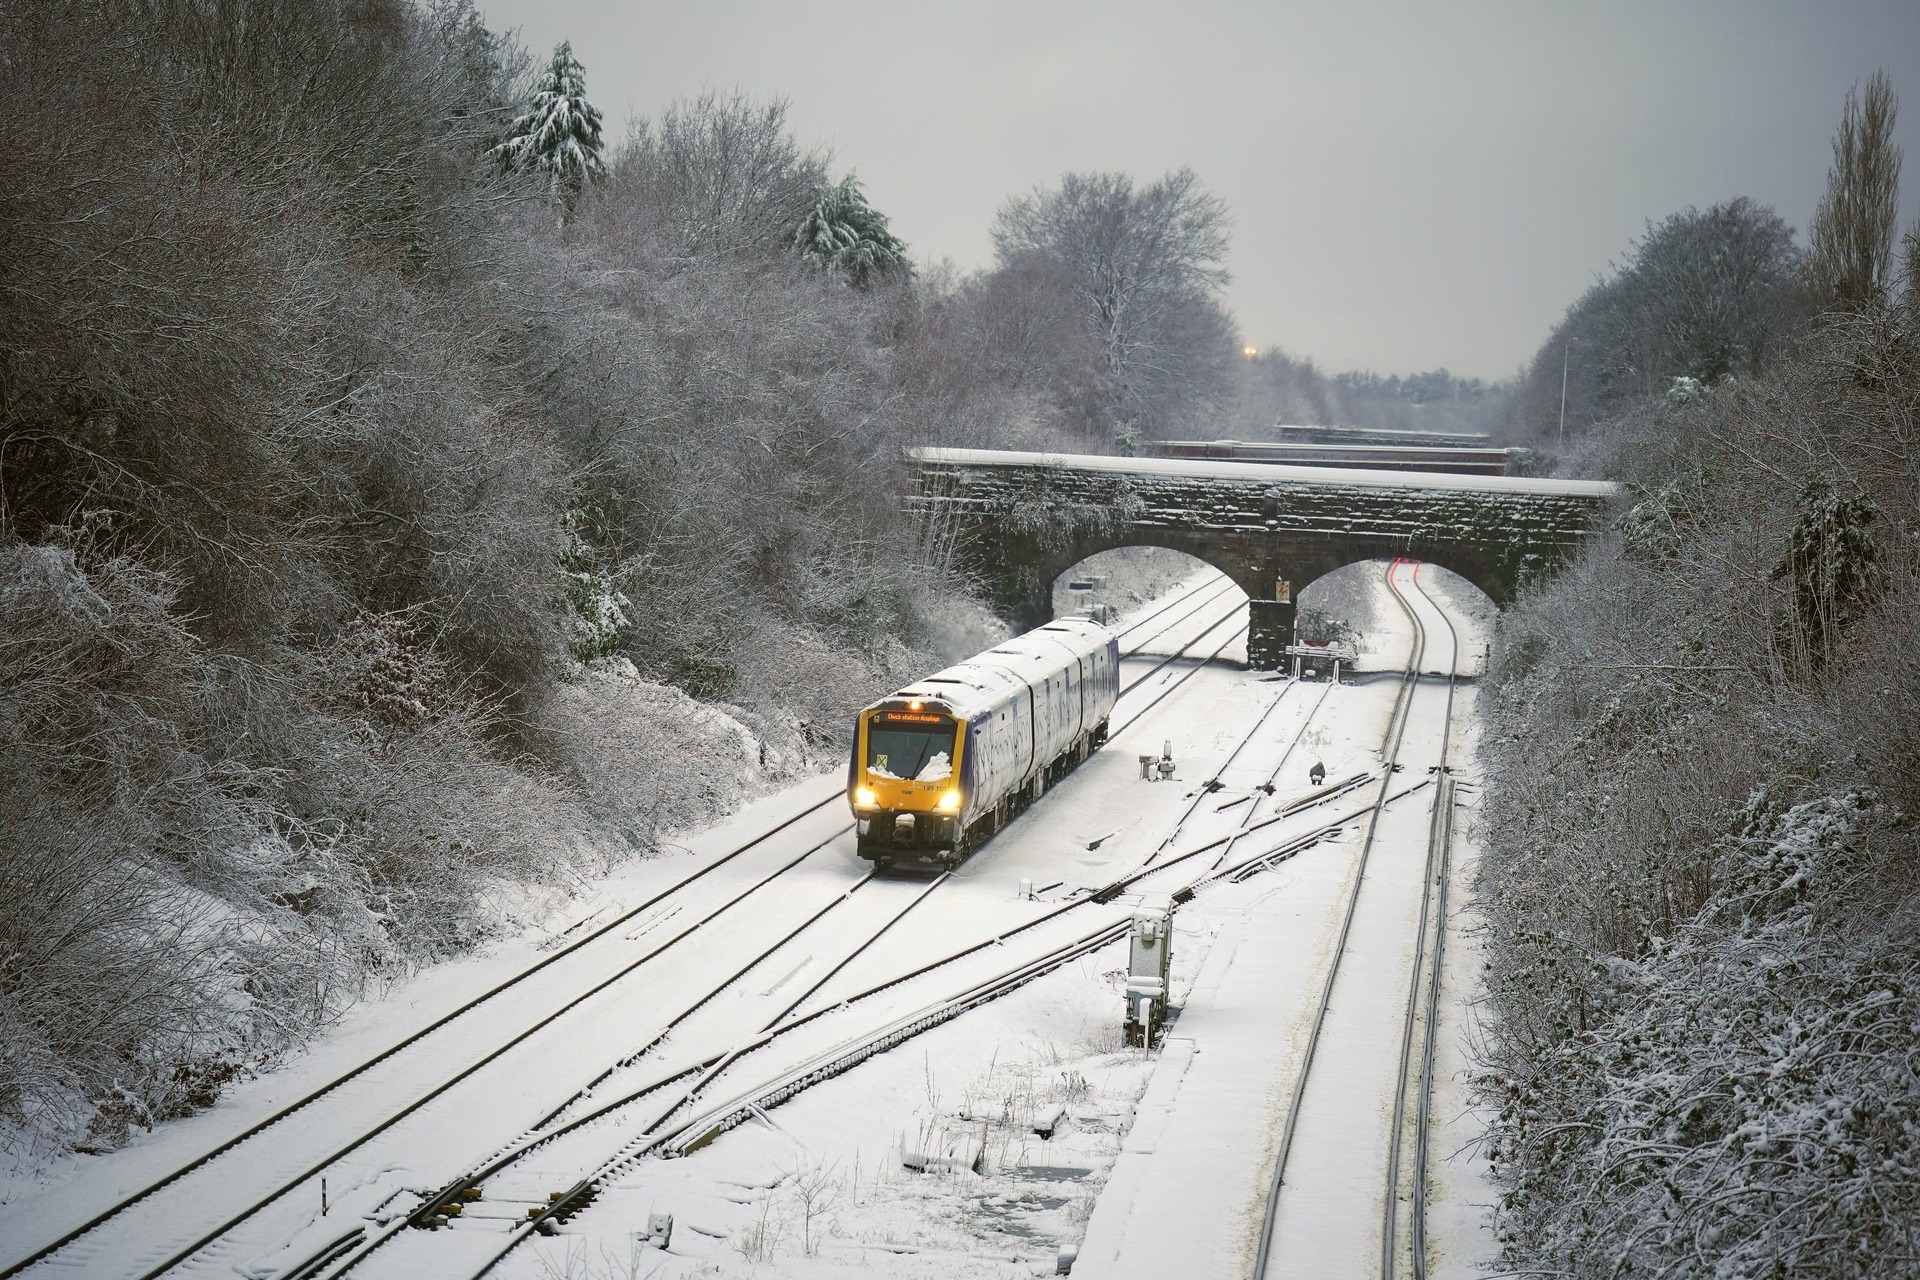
1413,185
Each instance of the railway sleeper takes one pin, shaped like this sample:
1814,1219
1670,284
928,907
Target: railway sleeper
562,1206
448,1204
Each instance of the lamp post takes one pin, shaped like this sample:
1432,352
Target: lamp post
1566,352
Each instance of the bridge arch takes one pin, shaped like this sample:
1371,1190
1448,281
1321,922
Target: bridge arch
1317,563
1025,597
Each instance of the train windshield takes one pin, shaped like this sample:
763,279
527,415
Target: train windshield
910,746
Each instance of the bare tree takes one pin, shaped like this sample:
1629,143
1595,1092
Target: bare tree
1851,257
1144,267
720,174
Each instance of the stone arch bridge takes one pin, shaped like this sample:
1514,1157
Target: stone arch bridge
1019,520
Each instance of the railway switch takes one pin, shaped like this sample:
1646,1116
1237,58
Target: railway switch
1149,958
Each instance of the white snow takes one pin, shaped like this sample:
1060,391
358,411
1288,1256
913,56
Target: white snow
1270,473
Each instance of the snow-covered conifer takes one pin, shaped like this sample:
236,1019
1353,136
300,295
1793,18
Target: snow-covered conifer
843,232
558,135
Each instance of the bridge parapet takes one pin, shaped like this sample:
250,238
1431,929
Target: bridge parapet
1020,519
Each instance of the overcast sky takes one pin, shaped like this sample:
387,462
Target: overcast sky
1413,185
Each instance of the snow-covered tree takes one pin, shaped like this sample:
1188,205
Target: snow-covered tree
1141,267
842,232
558,135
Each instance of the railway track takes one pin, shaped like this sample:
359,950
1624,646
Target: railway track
154,1254
677,1133
679,1129
1208,591
1405,1163
1423,1007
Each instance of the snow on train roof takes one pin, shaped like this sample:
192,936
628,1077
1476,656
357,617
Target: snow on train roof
1269,472
986,679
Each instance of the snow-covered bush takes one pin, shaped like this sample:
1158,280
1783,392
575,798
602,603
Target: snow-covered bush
649,757
200,859
1702,878
1749,1103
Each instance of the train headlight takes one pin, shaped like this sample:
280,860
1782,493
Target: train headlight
864,797
950,802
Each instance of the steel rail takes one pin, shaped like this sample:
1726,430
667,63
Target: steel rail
1265,789
669,1026
1116,730
537,1134
1440,847
855,954
1181,652
712,1123
207,1157
1215,593
1417,1225
1391,1206
1212,786
657,1136
842,1057
1392,739
339,1259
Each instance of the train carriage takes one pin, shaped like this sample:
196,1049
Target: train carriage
942,764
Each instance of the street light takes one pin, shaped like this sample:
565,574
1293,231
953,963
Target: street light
1565,355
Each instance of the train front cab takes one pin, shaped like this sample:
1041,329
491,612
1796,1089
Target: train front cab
908,783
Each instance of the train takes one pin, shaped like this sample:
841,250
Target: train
941,765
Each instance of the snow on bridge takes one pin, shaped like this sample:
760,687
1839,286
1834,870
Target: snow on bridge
1019,520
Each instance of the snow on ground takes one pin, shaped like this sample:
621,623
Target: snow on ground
821,1186
926,1161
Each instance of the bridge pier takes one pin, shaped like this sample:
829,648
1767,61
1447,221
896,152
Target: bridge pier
1269,632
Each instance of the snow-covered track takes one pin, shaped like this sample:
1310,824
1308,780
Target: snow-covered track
174,1253
1414,1067
672,1134
1188,674
1208,593
676,1131
1182,651
1423,1006
64,1242
680,1087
